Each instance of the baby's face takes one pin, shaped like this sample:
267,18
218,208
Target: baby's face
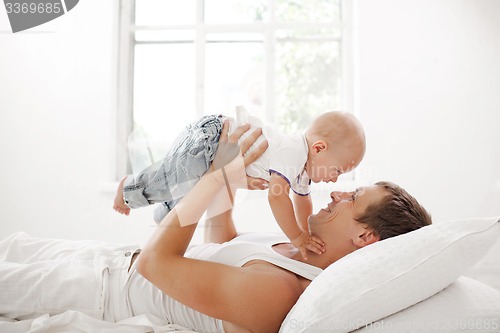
327,166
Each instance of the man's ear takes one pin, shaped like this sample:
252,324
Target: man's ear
366,238
319,146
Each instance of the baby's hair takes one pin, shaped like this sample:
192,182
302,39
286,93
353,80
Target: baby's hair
337,128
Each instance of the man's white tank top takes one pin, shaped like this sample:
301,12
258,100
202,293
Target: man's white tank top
145,298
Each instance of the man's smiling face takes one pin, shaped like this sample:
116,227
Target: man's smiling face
337,226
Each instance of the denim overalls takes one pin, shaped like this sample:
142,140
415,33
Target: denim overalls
169,180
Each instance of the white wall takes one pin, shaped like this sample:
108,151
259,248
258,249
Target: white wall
429,97
57,110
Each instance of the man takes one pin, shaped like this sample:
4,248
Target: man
248,293
239,286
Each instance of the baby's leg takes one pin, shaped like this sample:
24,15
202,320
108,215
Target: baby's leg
149,186
197,149
119,203
152,184
160,212
163,209
169,180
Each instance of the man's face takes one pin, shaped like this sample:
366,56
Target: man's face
336,224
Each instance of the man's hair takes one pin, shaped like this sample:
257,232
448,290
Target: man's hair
397,214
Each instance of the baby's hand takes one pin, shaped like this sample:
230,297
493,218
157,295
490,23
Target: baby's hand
305,242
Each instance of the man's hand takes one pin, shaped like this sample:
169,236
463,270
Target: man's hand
228,146
232,158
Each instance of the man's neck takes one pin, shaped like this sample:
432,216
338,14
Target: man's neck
290,251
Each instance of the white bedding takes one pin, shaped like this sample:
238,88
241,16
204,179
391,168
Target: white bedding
466,306
387,277
74,321
439,252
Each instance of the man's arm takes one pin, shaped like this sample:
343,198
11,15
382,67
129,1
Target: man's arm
251,297
220,228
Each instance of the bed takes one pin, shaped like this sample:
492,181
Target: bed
410,283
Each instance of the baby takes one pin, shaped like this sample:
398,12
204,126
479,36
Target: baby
334,143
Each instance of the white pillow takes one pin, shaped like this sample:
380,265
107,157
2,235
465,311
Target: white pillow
466,305
391,275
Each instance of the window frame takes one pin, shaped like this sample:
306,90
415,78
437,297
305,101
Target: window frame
125,64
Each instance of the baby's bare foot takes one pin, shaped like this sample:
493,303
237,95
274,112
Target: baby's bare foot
119,205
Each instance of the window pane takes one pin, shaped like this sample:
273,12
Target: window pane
165,12
164,100
307,81
164,35
230,11
308,11
234,75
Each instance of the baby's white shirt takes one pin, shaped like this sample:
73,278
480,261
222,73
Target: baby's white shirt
286,154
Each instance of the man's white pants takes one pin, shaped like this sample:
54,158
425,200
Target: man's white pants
39,276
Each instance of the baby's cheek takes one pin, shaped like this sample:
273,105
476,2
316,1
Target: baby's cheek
317,175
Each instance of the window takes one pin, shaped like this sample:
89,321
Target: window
285,60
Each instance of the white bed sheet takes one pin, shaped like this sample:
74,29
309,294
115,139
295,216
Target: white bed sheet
74,321
465,306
